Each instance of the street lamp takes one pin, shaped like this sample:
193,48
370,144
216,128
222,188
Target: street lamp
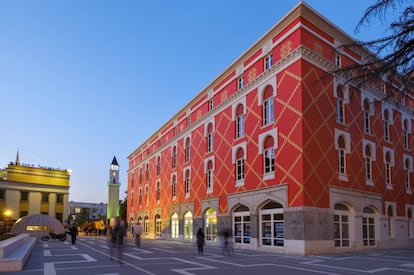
7,215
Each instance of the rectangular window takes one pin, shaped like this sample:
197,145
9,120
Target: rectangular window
59,198
367,124
268,111
187,187
240,169
240,126
388,173
269,160
45,197
338,60
210,142
340,117
209,180
368,169
211,105
24,196
386,131
407,179
268,62
405,136
341,162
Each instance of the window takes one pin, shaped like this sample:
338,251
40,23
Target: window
187,149
242,225
390,221
338,60
174,226
269,155
388,170
24,196
188,226
174,187
140,175
210,105
210,176
59,198
175,131
383,88
341,225
2,194
147,172
210,137
132,179
211,225
240,82
341,156
386,125
188,121
268,106
409,223
45,197
146,195
268,62
407,169
239,121
368,227
158,165
272,225
158,191
368,165
405,133
340,105
240,165
140,197
367,120
158,225
187,183
174,157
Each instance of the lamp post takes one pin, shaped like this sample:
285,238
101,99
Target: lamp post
7,215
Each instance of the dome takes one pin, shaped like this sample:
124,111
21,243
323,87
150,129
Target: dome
37,225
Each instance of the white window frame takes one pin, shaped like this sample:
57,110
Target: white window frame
268,62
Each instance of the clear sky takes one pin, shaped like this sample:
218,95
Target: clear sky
82,81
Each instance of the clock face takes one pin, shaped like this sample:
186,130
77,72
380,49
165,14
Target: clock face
114,173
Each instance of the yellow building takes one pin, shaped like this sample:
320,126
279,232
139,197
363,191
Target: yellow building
26,189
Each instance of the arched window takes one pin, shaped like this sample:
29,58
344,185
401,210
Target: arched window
187,149
367,119
272,225
210,137
368,164
211,225
146,226
268,106
340,104
240,165
187,183
174,157
239,121
341,156
341,225
269,155
386,125
158,225
188,226
242,225
174,226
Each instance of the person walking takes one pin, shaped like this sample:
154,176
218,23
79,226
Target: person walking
200,241
137,234
73,232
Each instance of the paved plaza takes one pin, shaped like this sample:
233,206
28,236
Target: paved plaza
95,255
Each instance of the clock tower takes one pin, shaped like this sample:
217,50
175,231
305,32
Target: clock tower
113,190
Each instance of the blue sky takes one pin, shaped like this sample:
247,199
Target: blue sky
82,81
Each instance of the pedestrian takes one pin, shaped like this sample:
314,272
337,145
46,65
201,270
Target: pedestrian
73,232
200,241
137,234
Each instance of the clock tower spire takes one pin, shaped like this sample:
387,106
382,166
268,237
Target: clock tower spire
113,190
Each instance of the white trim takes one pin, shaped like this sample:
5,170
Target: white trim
273,133
271,81
234,149
385,106
373,149
405,157
234,106
391,151
370,98
347,140
206,123
206,161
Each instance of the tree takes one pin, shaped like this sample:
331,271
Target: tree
390,56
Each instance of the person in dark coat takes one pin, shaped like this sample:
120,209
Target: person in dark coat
200,241
73,232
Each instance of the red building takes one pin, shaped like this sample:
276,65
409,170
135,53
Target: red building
281,154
